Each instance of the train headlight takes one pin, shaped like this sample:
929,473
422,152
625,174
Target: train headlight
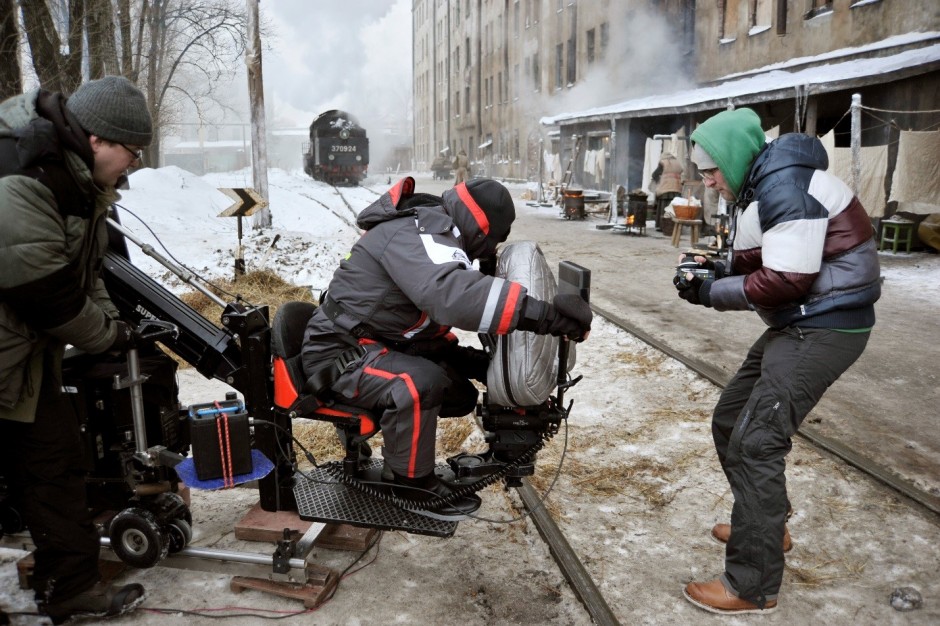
331,157
344,134
358,157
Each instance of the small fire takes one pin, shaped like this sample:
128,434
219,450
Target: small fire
630,220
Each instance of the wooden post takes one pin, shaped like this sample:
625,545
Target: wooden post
856,141
259,158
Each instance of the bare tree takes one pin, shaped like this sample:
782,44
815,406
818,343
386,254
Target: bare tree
174,50
102,45
58,64
190,47
11,79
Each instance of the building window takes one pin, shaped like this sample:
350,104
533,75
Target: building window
605,39
559,64
590,46
572,60
781,17
467,48
815,8
536,72
515,82
466,100
760,15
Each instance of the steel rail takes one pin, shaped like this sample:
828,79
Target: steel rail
867,466
566,558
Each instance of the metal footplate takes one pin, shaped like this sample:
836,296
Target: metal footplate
321,499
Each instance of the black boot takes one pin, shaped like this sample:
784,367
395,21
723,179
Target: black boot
430,487
102,600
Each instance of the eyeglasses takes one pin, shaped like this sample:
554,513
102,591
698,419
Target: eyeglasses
137,154
709,174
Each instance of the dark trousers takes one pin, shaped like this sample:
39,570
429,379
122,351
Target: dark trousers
784,375
409,393
45,469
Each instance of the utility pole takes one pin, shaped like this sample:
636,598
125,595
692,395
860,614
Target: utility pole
259,152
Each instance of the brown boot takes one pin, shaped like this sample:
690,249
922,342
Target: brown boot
714,597
722,532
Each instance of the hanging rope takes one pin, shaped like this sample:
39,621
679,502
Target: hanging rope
890,111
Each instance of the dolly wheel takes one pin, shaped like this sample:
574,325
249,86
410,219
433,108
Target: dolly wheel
137,539
180,533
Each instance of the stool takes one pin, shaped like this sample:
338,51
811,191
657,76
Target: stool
901,232
677,230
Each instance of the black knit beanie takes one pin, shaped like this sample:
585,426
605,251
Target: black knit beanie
114,109
496,203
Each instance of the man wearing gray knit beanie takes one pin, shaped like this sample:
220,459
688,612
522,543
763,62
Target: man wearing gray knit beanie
60,160
113,113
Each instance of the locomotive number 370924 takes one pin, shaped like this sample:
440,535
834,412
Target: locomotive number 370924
341,148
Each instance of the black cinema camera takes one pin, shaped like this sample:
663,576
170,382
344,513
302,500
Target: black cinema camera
688,265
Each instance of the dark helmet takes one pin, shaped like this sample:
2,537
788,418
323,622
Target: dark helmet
491,206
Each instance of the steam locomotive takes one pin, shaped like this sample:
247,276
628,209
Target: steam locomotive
338,151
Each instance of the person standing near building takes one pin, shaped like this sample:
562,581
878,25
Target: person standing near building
60,159
668,179
804,258
461,166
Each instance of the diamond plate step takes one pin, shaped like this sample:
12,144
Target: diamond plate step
321,499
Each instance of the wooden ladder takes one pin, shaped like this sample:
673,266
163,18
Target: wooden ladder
569,171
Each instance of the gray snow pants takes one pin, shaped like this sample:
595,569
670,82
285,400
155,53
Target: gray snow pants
782,378
409,393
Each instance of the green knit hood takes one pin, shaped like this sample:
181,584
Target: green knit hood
733,139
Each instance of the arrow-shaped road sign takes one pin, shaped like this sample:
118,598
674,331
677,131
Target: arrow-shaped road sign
247,201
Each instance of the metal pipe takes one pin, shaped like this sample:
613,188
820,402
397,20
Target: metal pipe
228,556
183,274
137,402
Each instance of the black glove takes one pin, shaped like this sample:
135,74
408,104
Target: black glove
568,315
488,265
124,338
469,362
697,291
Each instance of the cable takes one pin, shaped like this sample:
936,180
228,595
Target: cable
207,612
205,280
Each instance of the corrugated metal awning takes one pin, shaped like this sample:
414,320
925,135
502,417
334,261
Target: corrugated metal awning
767,86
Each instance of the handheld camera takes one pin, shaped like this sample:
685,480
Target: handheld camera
688,265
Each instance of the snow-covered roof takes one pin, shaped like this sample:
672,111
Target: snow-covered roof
767,85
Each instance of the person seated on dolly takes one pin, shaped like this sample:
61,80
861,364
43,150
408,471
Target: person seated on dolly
393,301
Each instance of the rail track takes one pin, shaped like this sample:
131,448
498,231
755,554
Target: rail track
567,560
882,474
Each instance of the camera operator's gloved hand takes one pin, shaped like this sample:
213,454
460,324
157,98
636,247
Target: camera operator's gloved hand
704,262
696,290
124,339
567,316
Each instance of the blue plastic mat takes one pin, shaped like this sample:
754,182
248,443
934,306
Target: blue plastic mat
260,467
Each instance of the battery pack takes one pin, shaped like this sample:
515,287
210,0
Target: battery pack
221,442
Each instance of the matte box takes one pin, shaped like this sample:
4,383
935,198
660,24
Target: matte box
219,433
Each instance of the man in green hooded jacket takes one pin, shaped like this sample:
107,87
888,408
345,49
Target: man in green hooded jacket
803,257
60,160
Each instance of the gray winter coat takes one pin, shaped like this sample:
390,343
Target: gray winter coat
410,278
